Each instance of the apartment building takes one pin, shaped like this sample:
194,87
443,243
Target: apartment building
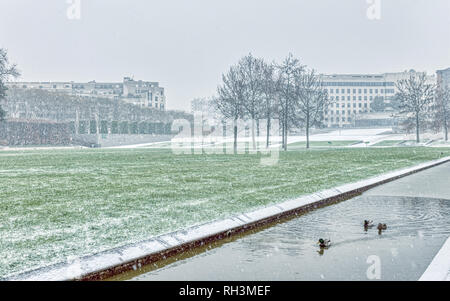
137,92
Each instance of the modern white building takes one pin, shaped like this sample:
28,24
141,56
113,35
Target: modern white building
138,92
353,94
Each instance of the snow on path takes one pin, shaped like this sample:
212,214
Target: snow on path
439,268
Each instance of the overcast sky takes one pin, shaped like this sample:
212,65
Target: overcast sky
187,44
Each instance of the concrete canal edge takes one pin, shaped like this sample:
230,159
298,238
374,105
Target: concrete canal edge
439,268
112,262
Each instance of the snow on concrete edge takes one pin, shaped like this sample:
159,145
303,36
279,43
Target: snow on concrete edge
439,268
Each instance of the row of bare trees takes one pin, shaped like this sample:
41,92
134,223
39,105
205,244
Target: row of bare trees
254,89
423,102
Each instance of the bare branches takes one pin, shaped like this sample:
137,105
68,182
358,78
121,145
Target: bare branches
269,86
231,94
6,69
312,101
231,97
414,95
289,72
251,69
252,72
255,89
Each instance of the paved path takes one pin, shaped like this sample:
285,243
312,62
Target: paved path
416,209
430,183
439,269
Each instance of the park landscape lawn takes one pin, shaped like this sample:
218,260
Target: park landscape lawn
56,204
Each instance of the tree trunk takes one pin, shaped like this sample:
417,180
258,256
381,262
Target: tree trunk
285,137
257,133
257,128
235,136
224,136
417,128
445,126
307,131
285,128
253,134
268,131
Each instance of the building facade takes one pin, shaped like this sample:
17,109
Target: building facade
443,78
144,93
351,95
138,92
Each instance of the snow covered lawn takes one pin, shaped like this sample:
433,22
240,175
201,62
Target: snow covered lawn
389,143
59,204
302,144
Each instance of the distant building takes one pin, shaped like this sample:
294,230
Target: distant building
352,94
92,88
443,78
141,93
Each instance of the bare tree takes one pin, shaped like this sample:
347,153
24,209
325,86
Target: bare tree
270,86
251,69
312,101
288,71
231,97
442,109
7,71
414,95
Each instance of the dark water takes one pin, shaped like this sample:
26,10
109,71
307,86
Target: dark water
417,228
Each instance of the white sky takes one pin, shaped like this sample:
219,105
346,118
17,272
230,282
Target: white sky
187,44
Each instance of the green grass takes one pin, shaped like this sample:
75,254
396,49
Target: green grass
59,203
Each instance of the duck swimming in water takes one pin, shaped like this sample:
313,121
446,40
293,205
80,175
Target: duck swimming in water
324,243
368,224
381,227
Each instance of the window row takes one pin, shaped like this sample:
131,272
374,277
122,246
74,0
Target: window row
349,105
360,84
343,119
365,91
354,98
343,112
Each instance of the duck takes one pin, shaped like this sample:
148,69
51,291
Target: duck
381,227
324,243
368,224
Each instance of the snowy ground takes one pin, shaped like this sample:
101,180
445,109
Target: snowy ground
379,137
27,148
60,204
439,269
356,135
